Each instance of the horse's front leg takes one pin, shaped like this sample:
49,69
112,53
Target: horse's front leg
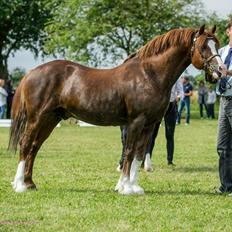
140,149
127,183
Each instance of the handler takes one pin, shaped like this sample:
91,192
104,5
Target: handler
224,141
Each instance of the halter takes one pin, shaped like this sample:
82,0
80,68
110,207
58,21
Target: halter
207,65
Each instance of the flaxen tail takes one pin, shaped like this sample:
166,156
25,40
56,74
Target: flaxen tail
19,119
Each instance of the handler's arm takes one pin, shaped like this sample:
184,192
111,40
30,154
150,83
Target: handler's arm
229,72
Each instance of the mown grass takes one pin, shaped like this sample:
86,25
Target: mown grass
75,172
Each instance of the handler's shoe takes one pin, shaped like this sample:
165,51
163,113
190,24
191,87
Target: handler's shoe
171,164
219,191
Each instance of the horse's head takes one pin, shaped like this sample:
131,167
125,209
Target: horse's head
204,54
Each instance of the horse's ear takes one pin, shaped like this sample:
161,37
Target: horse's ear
202,29
213,29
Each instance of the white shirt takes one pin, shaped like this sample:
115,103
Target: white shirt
3,95
223,52
211,97
177,91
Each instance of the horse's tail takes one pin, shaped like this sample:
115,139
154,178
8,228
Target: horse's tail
19,118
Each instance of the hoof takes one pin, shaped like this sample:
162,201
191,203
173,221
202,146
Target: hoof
118,187
148,169
119,168
19,186
31,187
126,190
29,183
137,190
148,163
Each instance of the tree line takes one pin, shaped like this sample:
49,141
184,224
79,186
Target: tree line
94,32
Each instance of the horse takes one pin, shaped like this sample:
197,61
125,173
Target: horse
135,93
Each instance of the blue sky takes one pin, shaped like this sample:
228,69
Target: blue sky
26,60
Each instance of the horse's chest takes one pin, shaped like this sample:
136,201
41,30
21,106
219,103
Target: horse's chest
158,105
152,105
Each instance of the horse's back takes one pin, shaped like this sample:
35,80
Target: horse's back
90,94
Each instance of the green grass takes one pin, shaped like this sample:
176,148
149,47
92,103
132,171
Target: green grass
75,172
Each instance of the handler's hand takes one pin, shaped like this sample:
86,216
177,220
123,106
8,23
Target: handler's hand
229,73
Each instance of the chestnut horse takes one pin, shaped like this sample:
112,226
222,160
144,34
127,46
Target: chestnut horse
135,94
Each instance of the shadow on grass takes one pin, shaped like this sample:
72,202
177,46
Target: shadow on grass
84,190
169,192
186,192
196,169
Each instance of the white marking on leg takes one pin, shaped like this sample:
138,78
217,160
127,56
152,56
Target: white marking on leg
18,183
124,186
147,163
119,168
134,170
134,176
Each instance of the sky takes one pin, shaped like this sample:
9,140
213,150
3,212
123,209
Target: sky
222,7
25,59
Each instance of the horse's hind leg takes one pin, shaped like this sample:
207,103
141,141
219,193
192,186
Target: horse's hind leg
25,145
34,136
44,130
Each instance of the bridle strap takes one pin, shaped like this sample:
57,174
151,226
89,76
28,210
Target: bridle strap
206,60
211,57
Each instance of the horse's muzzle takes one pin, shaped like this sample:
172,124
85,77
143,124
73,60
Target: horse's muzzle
217,75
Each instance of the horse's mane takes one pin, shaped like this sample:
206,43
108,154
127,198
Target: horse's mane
176,37
173,38
130,57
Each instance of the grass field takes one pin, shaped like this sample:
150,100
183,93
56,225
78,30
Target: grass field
75,172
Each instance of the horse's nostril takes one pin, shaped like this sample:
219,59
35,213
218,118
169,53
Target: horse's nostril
218,73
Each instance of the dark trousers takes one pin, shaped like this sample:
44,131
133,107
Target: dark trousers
201,106
211,111
184,103
170,124
224,144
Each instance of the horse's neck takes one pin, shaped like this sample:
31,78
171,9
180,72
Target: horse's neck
168,66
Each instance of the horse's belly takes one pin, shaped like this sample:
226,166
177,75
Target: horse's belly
101,119
101,114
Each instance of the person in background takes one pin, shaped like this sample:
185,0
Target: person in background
10,92
3,96
185,101
210,102
202,98
170,123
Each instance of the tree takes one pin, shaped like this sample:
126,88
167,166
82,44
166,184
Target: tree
221,27
21,26
94,30
16,75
